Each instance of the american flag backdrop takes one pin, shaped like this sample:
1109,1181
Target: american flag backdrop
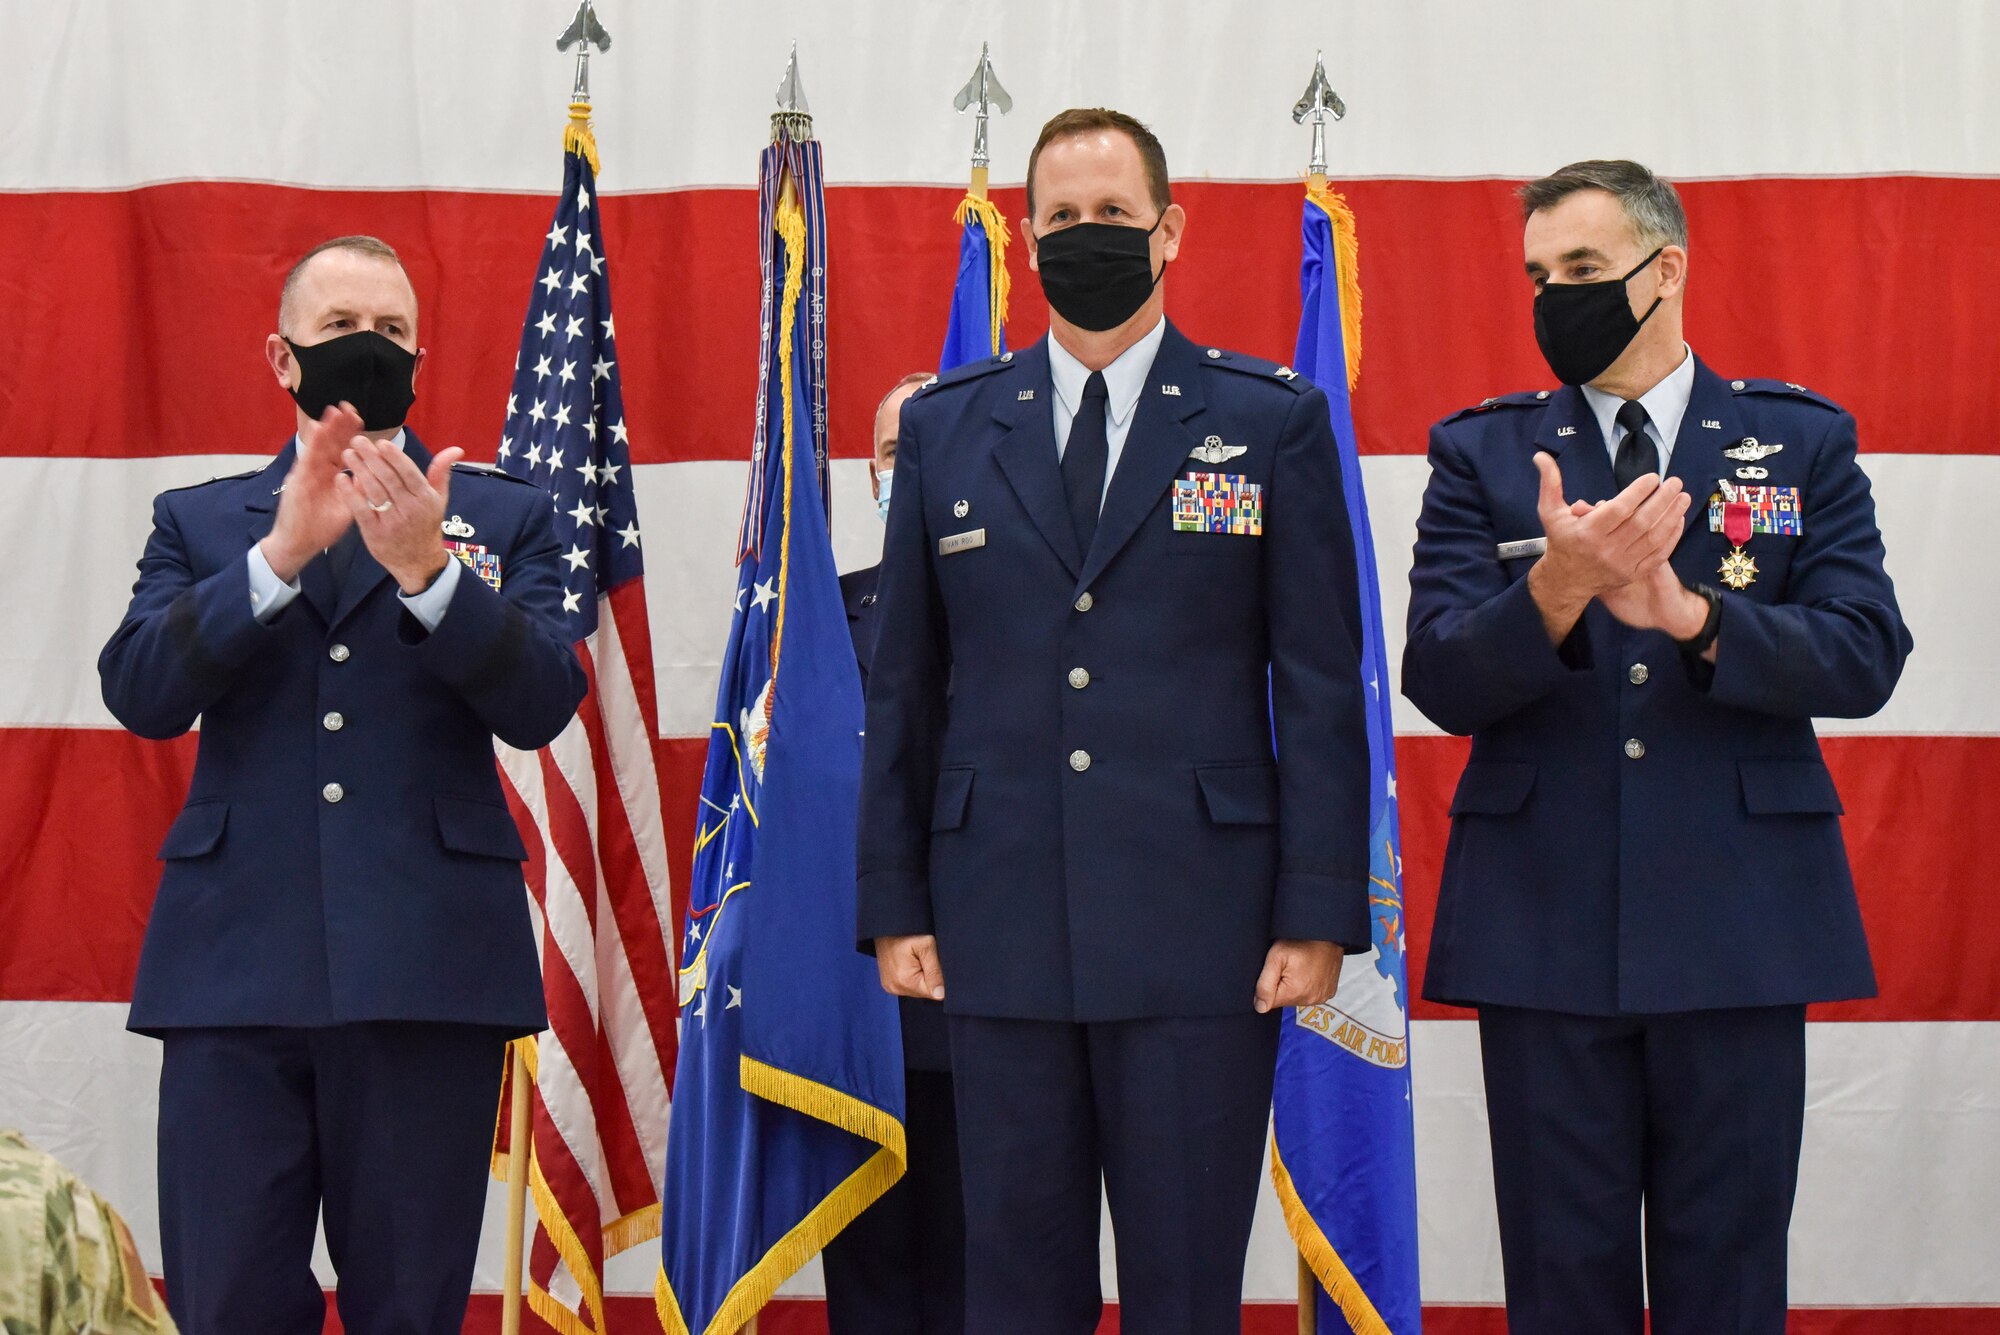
161,166
597,865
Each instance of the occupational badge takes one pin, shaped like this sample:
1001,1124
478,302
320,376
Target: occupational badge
1749,450
455,527
1218,503
1213,451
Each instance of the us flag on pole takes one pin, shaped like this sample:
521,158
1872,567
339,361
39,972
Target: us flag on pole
589,802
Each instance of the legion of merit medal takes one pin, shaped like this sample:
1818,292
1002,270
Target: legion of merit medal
1739,569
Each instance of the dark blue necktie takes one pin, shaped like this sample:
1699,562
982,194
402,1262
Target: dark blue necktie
1636,453
1084,461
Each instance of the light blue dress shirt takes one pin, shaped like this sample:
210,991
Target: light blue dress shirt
270,595
1124,379
1665,403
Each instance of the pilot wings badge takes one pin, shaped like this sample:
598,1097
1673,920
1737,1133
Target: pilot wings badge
1213,451
1749,450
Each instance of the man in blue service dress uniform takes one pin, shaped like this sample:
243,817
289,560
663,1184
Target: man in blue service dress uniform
1645,882
1117,563
899,1268
340,946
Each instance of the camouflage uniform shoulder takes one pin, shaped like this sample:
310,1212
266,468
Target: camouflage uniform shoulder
965,374
1222,359
65,1254
1527,398
493,471
1785,389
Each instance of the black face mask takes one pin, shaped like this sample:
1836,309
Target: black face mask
366,369
1097,275
1582,327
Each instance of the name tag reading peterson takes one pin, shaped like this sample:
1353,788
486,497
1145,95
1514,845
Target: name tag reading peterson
962,542
1510,551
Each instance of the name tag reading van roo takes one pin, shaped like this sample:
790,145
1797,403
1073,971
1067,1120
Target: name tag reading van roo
962,542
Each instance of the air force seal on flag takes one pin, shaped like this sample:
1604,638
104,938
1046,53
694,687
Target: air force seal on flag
1369,1016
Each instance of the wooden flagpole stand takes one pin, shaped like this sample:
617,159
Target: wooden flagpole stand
1308,1299
518,1148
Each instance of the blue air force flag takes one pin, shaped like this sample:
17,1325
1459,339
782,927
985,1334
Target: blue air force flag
788,1106
1343,1144
977,328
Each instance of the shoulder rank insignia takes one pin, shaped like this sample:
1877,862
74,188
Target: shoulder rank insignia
1213,451
1749,450
455,527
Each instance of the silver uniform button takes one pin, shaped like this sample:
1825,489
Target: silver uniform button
1079,678
1638,674
1541,394
333,722
333,792
1736,385
338,653
1085,603
1635,749
1079,761
1215,353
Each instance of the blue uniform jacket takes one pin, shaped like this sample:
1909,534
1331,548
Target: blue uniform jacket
1069,773
1631,834
345,852
926,1047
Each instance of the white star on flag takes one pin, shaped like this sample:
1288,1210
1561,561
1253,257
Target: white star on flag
766,594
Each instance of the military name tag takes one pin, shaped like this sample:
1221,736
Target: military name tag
1775,510
1512,551
1218,503
478,560
962,542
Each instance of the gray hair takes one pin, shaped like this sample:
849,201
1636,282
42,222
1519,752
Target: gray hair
1649,201
913,378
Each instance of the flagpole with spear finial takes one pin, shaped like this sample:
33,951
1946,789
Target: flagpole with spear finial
792,122
1319,104
982,95
583,32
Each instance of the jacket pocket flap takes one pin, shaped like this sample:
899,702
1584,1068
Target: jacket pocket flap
954,791
1788,788
197,830
467,825
1493,788
1240,794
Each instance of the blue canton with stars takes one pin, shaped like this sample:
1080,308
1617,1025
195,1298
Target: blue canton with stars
565,428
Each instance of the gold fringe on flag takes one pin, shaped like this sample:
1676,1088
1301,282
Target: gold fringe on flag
1318,1252
578,137
995,223
1347,260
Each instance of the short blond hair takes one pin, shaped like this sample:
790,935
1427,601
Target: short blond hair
359,245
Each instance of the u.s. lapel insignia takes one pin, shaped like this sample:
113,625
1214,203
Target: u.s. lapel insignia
1710,424
455,527
1750,450
1213,451
1025,396
1565,431
1171,391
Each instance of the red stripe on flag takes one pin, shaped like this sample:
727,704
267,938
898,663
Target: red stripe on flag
81,811
1913,807
1781,288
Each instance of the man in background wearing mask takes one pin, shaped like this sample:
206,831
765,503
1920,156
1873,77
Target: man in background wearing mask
1118,562
1645,883
899,1269
340,947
